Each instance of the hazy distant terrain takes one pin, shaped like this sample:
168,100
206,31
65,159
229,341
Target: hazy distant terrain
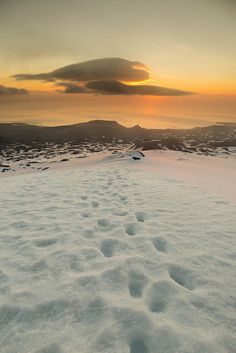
27,145
219,135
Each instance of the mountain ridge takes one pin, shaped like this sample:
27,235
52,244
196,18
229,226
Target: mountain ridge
108,130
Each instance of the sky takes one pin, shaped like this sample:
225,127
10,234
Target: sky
157,63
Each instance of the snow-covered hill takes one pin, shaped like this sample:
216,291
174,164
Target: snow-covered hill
107,257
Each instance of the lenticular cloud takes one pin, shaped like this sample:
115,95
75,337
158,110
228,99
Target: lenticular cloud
104,76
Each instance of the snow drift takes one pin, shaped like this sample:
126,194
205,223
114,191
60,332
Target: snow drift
110,258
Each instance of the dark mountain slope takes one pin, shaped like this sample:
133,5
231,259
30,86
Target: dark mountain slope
24,133
102,130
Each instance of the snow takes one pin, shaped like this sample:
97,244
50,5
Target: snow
115,255
216,175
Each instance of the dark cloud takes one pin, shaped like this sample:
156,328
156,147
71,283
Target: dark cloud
12,90
72,88
103,76
113,87
100,69
116,87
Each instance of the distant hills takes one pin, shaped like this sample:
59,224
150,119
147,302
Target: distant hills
200,139
107,130
98,129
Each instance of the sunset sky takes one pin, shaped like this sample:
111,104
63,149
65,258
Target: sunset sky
128,53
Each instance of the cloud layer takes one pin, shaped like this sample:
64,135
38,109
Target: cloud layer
12,90
116,87
104,76
100,69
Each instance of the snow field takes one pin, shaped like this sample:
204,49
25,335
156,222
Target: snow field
115,259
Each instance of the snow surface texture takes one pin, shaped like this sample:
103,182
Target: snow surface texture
114,259
213,174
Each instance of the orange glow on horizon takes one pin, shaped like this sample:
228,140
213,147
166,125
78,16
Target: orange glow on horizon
54,108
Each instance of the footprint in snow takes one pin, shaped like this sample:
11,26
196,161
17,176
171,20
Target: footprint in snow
159,296
138,346
160,244
103,223
132,229
140,216
108,246
137,282
45,242
95,204
123,198
85,214
182,276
